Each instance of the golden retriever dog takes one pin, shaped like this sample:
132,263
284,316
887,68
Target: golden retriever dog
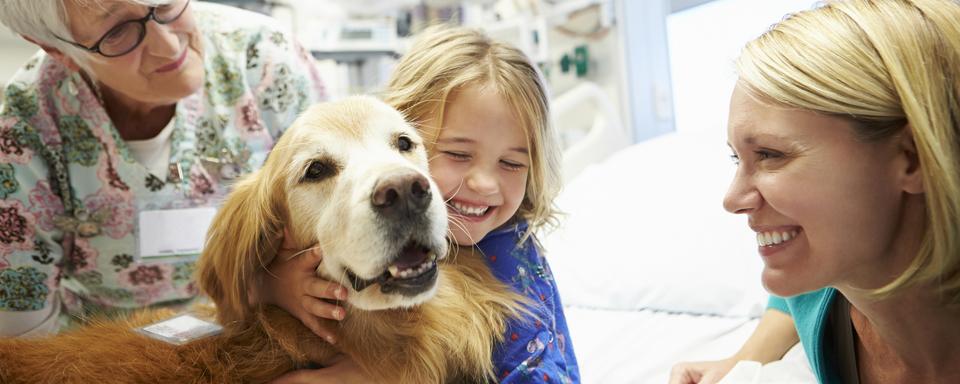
349,176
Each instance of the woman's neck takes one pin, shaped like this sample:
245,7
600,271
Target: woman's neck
910,336
136,120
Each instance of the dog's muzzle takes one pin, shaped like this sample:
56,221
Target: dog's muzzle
412,272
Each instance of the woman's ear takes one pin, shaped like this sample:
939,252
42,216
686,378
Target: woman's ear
241,241
58,55
911,172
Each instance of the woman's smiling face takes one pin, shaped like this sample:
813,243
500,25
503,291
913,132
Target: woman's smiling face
826,206
164,68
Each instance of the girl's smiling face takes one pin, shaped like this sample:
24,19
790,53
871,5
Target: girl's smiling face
480,160
828,208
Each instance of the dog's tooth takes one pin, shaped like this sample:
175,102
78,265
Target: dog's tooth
393,270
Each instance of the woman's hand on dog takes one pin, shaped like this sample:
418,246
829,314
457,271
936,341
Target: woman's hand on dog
291,283
341,369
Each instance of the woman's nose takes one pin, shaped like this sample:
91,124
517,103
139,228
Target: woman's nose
742,196
482,181
161,41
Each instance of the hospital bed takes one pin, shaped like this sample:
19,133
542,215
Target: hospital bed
651,269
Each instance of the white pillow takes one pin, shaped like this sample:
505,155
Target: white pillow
646,229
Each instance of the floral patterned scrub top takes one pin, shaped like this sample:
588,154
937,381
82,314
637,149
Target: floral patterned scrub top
257,81
534,350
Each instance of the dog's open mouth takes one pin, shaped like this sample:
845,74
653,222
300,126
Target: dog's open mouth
413,271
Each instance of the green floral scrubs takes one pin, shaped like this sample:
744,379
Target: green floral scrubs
257,81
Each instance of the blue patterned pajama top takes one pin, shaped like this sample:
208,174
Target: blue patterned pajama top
535,350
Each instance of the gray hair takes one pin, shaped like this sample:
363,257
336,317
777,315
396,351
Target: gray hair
45,20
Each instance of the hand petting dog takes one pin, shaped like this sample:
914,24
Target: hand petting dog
290,282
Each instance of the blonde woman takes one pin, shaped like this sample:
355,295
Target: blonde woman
845,128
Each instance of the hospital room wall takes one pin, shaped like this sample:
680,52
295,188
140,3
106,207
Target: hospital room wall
703,42
698,71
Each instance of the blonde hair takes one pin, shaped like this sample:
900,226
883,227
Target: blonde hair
446,59
885,65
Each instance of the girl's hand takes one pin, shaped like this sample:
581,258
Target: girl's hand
342,370
701,372
291,283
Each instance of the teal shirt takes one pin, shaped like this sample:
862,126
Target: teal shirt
809,312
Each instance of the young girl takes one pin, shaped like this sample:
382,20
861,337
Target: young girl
481,107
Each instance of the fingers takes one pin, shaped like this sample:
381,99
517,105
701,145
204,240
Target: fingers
684,374
712,378
319,329
323,289
320,308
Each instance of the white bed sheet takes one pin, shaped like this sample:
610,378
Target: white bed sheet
640,347
615,346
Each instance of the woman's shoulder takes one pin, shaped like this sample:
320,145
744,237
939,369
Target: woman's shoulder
40,73
812,300
40,91
220,22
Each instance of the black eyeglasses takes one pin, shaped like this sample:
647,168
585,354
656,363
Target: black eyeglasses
127,36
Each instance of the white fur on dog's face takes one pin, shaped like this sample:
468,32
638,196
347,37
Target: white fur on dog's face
341,155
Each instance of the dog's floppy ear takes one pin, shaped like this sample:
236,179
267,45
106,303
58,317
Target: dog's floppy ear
241,242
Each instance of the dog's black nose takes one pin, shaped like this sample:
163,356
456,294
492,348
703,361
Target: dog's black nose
401,195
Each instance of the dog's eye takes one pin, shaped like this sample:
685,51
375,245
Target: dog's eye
319,170
404,144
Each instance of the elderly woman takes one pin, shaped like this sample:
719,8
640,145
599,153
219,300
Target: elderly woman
120,136
846,129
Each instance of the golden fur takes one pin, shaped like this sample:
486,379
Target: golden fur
447,338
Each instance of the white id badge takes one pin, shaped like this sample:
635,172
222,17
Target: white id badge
181,329
173,232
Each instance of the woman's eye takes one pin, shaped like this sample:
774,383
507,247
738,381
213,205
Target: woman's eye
404,144
764,154
117,34
735,158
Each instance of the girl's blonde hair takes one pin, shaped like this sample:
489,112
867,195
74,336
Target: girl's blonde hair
446,59
887,65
